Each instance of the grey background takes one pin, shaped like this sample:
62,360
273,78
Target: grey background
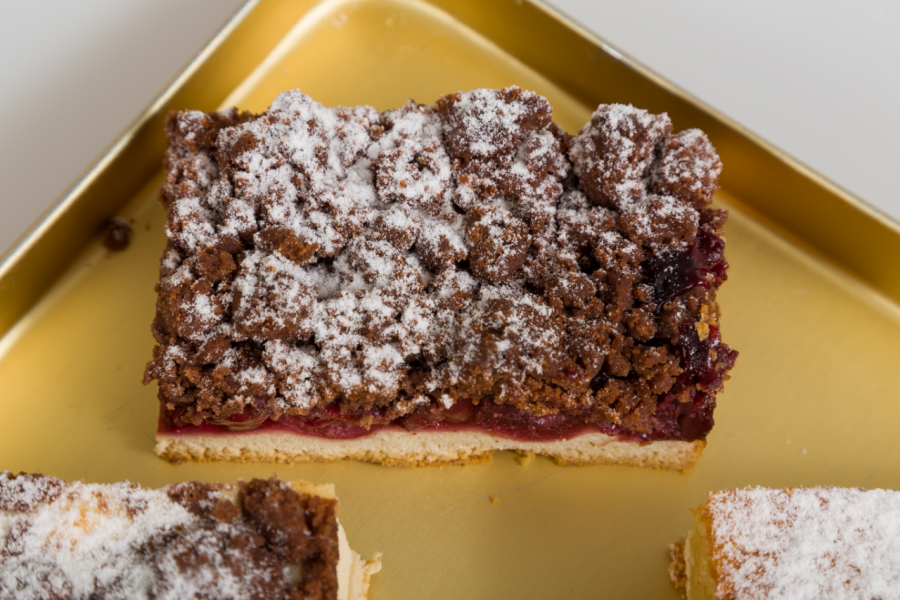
821,79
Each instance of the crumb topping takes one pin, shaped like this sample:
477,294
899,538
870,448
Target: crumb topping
193,540
470,249
823,542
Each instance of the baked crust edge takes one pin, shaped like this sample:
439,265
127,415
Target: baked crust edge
401,448
678,568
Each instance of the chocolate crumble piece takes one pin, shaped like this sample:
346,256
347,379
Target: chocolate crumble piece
298,529
261,540
117,235
689,169
498,243
341,265
614,152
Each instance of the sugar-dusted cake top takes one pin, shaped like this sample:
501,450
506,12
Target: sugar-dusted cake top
388,263
806,543
259,540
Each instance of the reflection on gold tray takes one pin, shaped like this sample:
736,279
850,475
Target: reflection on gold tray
812,400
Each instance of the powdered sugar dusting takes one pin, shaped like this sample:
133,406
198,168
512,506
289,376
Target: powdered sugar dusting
94,541
614,152
487,119
296,367
274,297
689,168
316,253
806,543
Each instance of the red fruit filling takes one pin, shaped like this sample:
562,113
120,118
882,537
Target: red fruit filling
674,273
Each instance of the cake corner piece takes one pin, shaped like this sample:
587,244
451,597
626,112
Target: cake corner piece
267,538
821,542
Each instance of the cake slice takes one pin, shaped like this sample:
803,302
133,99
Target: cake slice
258,540
428,284
798,543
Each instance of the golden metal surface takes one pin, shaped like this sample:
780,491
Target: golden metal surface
41,255
812,400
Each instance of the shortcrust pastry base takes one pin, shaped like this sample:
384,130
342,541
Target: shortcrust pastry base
691,570
401,448
354,573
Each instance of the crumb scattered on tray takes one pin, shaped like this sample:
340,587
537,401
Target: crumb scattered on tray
526,458
117,235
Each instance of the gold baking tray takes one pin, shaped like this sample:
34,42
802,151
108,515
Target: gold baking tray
812,305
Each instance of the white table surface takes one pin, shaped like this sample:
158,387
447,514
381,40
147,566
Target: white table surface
820,78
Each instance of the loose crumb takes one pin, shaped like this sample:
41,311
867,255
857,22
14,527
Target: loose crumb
117,235
526,458
677,569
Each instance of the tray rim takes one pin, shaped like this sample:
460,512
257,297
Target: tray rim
45,249
867,206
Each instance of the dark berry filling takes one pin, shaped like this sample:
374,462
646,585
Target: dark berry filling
674,273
